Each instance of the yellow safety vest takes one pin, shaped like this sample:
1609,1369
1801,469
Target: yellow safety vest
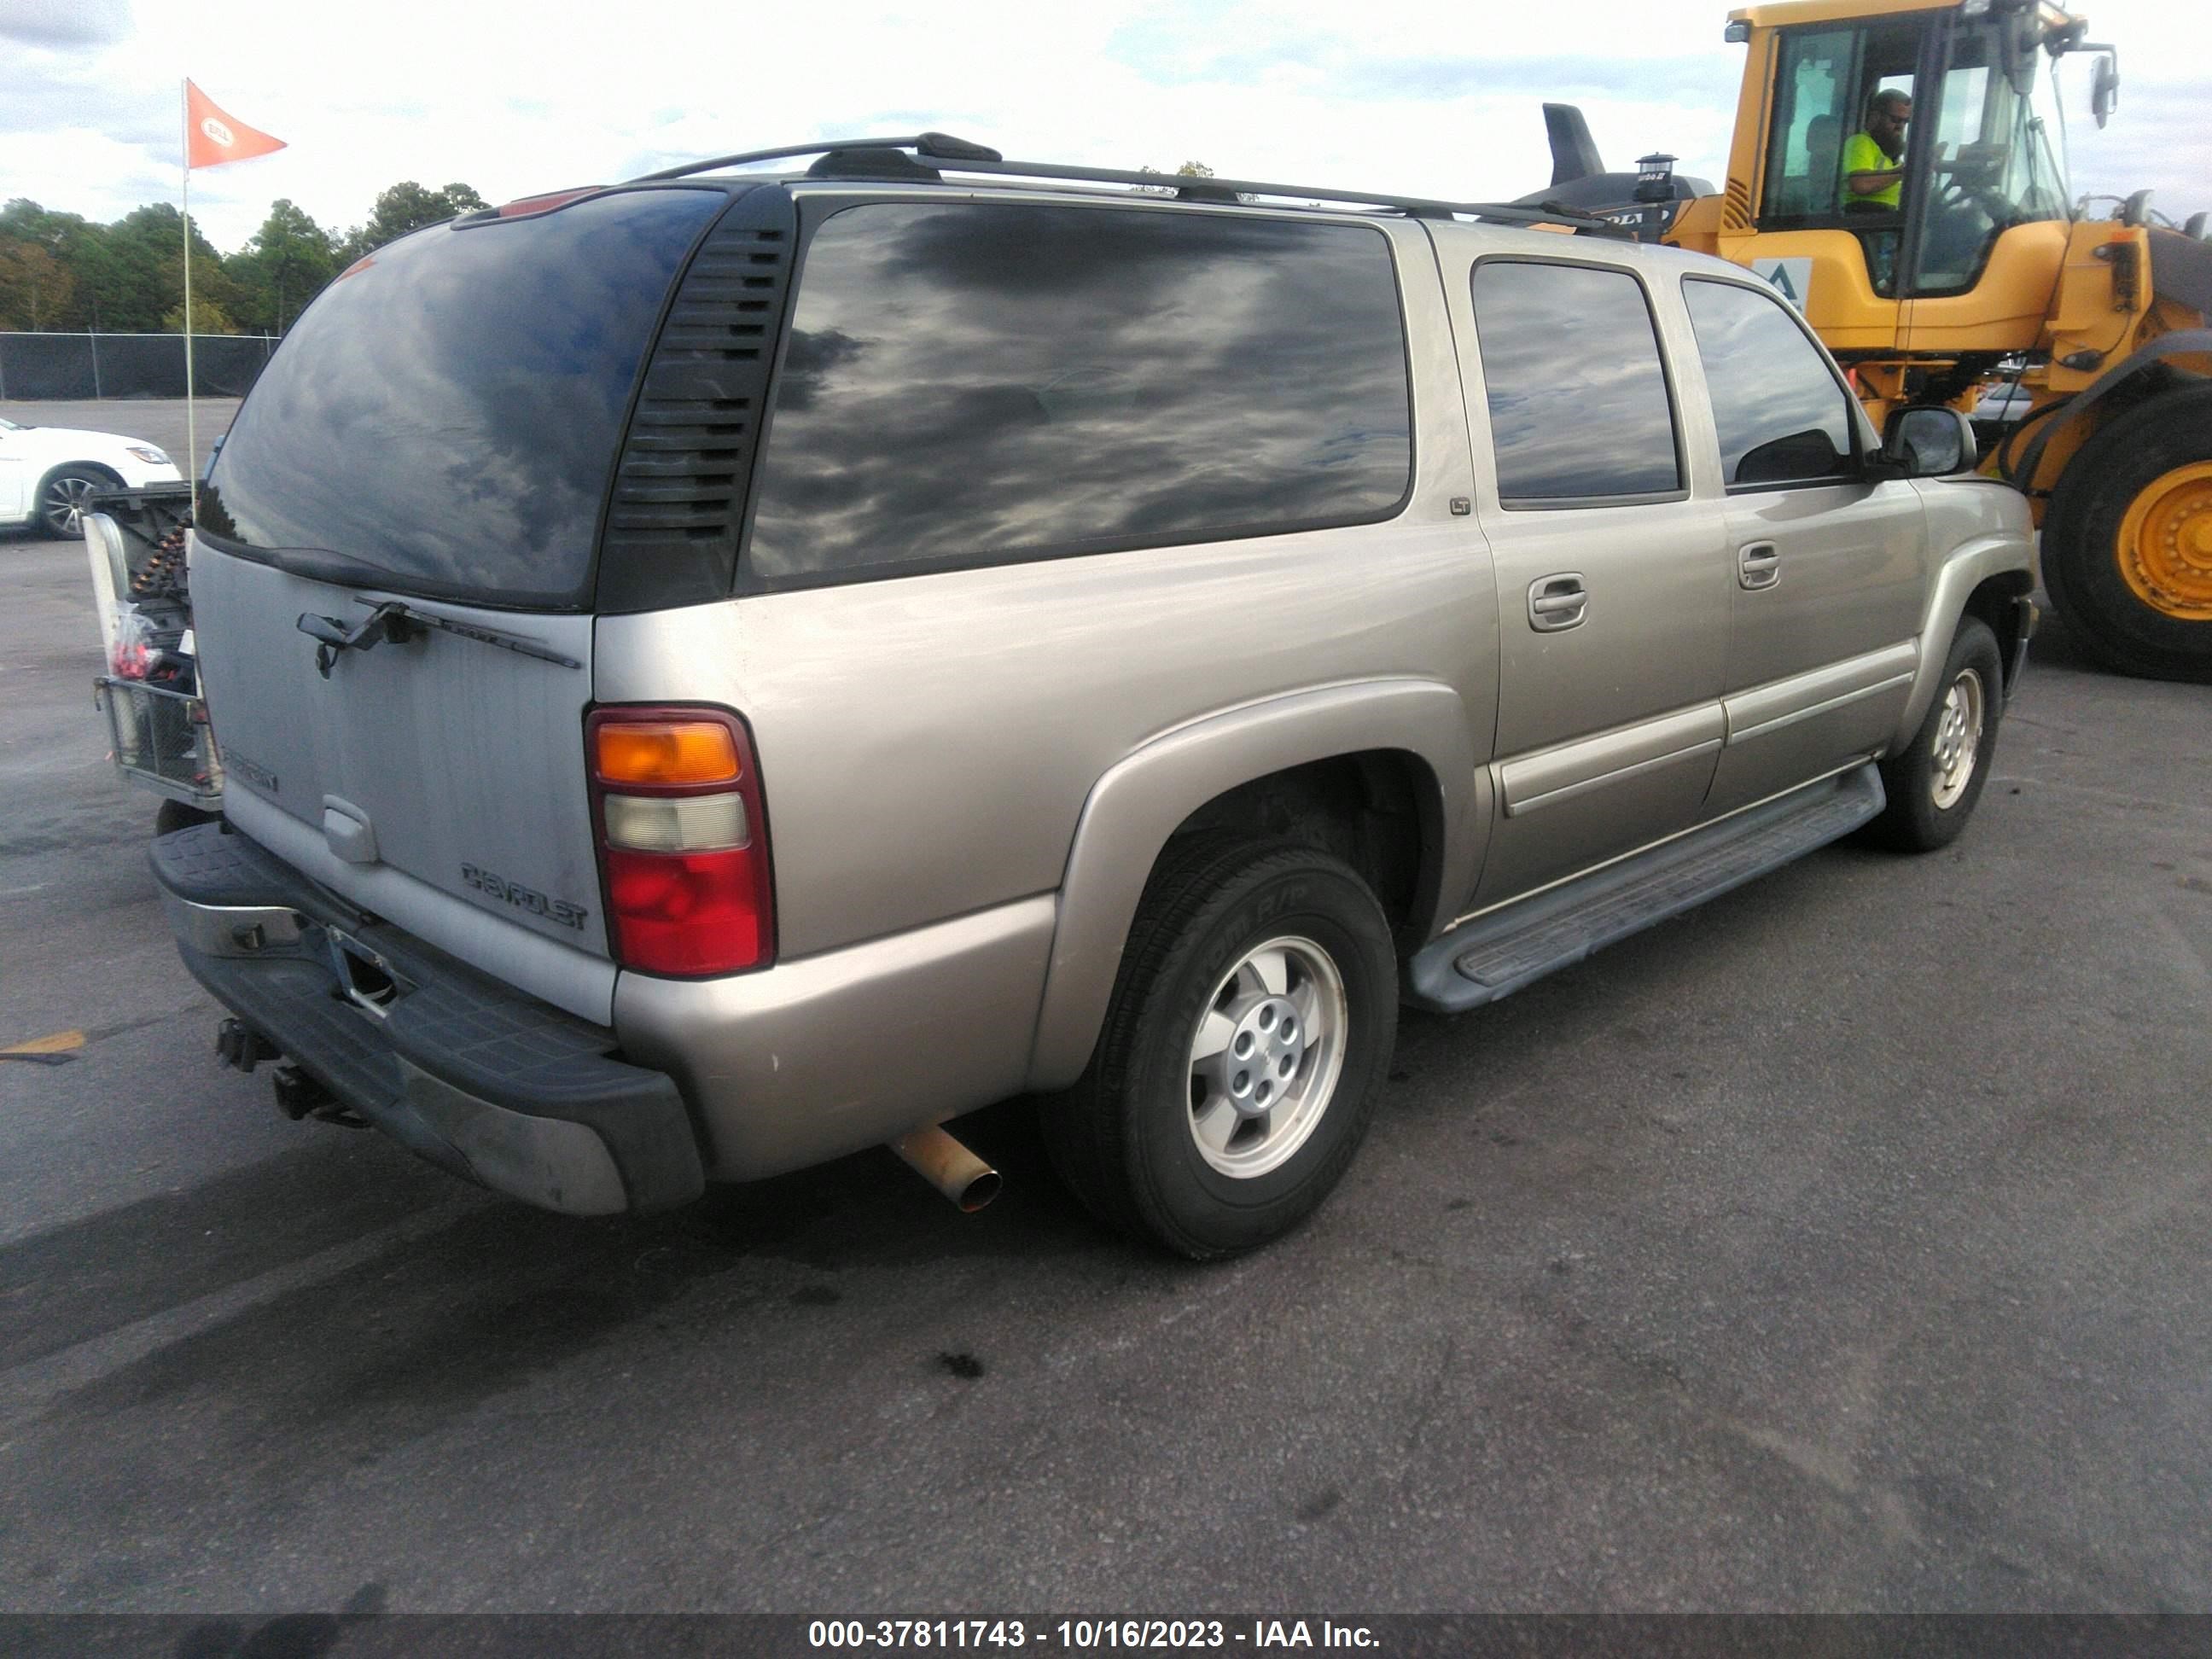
1862,155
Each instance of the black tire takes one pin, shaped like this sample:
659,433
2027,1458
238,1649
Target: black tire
1923,812
1123,1138
175,815
60,500
2083,559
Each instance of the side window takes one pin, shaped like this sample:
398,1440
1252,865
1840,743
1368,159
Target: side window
1812,117
1824,130
982,382
1579,408
1783,418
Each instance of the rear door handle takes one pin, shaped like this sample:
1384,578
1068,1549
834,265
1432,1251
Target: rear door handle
1557,602
1758,564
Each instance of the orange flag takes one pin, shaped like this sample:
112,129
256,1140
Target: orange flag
214,138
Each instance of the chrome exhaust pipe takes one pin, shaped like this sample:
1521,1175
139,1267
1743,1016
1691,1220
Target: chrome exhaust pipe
951,1168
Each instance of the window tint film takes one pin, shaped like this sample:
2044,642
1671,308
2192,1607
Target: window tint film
986,382
1578,403
447,411
1781,417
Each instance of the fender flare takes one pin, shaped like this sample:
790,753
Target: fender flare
2183,342
1138,804
1964,568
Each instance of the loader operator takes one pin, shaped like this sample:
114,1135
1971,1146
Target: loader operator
1874,157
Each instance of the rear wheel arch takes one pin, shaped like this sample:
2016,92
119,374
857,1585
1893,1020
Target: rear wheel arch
1308,768
1381,810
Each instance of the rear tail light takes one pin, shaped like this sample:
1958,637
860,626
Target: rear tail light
683,840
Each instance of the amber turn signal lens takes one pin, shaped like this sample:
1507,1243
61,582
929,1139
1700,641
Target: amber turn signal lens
666,753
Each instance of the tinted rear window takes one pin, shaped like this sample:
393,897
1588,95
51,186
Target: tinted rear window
977,382
1579,408
448,413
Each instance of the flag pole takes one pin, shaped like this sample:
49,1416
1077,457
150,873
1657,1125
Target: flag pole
191,425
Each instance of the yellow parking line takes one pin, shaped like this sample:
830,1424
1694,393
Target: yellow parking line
52,1050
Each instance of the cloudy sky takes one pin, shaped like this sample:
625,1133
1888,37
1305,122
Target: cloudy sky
515,99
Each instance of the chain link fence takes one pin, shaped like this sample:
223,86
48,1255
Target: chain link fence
78,366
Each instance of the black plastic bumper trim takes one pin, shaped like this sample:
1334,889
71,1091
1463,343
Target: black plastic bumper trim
483,1080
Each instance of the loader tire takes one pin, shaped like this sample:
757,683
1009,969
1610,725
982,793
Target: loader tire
2127,544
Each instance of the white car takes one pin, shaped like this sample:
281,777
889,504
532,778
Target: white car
47,473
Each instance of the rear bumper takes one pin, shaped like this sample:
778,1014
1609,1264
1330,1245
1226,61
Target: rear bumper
483,1080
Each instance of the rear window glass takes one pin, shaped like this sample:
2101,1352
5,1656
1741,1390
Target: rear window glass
448,413
1579,408
977,382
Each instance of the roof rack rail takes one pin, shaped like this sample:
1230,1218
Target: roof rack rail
941,146
963,156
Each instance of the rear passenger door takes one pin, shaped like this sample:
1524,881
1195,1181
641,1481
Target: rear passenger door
1612,598
1828,567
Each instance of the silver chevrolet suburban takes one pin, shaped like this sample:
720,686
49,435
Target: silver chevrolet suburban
733,668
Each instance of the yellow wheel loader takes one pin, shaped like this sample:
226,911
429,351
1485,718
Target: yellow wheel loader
1898,169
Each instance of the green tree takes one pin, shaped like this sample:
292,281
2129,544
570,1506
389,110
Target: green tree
208,317
75,242
144,275
36,289
407,206
285,264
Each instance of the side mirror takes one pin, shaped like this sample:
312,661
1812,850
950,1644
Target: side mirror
2105,89
1931,442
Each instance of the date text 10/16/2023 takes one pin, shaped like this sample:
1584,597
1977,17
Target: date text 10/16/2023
1087,1635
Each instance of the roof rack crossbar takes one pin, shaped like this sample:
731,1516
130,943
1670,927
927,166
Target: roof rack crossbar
961,156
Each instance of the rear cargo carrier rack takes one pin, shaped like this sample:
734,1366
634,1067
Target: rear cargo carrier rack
933,153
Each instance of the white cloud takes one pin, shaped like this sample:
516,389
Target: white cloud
1429,100
64,22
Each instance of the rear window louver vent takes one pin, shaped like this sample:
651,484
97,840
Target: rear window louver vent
679,490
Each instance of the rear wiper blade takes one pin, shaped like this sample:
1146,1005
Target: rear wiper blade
398,621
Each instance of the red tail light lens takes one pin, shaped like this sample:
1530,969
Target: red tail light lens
685,913
686,863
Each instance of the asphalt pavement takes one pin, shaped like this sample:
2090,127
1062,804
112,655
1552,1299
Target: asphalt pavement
1846,1244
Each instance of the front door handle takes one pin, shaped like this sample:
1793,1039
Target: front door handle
1557,602
1758,564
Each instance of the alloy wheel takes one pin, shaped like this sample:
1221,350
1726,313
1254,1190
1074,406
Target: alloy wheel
1266,1055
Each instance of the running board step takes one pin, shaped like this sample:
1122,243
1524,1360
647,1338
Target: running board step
1494,954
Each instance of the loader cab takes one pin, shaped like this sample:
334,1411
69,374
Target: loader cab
1880,215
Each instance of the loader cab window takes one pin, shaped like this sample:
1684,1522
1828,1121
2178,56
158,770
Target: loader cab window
1838,94
1994,163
